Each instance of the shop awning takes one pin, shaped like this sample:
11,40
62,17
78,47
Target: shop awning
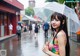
25,17
15,3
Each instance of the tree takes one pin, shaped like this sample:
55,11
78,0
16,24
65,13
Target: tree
29,11
59,1
69,4
50,0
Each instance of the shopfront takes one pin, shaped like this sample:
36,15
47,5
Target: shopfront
9,13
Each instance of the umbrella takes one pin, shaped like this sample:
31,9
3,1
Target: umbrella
19,22
25,17
60,8
39,13
73,21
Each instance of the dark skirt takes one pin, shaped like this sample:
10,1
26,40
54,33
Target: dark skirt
18,32
36,30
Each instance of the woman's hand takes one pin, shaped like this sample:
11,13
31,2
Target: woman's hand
45,48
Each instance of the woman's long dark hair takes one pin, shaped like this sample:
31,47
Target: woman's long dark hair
62,27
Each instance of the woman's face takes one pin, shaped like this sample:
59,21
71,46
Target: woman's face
55,23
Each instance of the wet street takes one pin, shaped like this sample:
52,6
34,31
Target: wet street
28,46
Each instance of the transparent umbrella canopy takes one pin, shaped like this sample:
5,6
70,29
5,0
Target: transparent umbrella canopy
39,13
61,8
48,14
73,21
46,11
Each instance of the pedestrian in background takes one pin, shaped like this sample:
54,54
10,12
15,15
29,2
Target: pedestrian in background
59,43
33,28
36,30
10,28
46,28
30,29
18,32
25,28
36,34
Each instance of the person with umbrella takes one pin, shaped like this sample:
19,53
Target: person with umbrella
59,43
18,28
46,28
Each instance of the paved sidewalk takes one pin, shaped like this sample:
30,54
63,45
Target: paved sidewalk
6,37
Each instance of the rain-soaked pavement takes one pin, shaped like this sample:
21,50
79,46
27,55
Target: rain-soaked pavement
29,47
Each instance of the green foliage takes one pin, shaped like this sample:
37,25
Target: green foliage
59,1
70,4
50,0
29,11
72,0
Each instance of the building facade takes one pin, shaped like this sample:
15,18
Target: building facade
9,13
31,3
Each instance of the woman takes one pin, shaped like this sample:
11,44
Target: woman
36,31
59,44
30,28
36,35
18,31
10,28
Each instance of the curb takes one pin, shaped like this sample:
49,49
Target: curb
7,37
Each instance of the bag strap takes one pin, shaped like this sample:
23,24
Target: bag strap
55,36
